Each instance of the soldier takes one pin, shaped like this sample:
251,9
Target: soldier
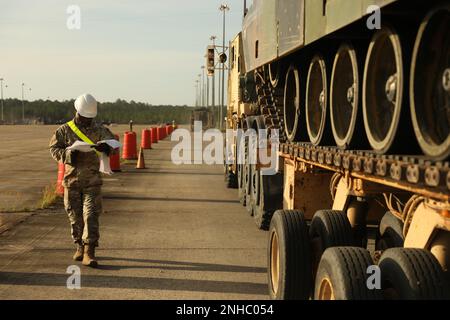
82,181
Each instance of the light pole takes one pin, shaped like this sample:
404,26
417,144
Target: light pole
196,93
203,85
207,85
224,8
3,116
213,98
199,90
23,105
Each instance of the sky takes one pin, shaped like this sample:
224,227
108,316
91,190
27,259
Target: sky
142,50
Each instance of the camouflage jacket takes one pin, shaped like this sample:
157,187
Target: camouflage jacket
81,170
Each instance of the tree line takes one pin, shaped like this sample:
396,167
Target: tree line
120,111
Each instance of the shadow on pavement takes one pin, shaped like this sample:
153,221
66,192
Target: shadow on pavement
99,281
126,197
178,265
193,173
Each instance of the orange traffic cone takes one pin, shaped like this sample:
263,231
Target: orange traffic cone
141,160
59,186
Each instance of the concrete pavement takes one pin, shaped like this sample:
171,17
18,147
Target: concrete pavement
168,232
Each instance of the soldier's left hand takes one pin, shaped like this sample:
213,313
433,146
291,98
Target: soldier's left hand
103,147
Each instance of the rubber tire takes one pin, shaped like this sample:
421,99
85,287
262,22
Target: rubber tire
346,270
332,227
241,184
415,274
295,276
391,232
231,180
270,200
262,216
248,191
269,194
241,169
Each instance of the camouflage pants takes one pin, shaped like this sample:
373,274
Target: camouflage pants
84,206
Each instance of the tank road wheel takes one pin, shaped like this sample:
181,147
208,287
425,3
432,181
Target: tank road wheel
289,265
274,73
412,274
383,89
430,84
292,111
345,97
391,232
328,229
317,101
342,275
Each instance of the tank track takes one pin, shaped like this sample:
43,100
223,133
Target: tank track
410,173
269,102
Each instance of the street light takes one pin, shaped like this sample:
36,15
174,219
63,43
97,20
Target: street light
213,98
203,85
224,8
200,91
1,81
23,105
196,93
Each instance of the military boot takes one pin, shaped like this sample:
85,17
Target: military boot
89,256
78,256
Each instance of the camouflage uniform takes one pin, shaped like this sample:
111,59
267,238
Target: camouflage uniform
82,181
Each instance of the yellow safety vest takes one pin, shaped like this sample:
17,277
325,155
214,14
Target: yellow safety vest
80,134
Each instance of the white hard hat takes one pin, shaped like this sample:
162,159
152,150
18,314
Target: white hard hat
86,106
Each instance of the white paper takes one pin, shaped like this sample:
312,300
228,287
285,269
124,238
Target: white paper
104,159
81,146
112,143
104,164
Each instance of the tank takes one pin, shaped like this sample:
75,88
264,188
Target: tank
356,74
359,91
